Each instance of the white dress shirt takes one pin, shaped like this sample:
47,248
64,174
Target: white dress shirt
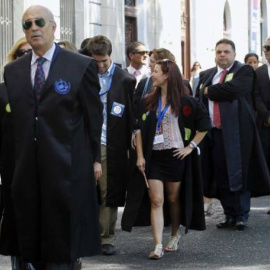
215,80
142,71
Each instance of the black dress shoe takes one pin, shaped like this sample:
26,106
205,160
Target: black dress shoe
241,225
227,223
108,249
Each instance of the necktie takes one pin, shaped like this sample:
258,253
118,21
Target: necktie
216,111
39,77
137,73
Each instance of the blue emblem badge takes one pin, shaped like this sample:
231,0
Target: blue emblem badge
61,87
117,109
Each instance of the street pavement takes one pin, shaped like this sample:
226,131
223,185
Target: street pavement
217,249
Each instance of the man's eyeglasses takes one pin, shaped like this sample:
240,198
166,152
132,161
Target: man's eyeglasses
266,47
38,22
141,52
20,52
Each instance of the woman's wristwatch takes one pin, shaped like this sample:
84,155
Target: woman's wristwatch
194,145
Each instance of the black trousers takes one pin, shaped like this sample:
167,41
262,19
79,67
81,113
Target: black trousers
236,204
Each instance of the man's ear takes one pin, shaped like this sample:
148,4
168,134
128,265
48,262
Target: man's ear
54,26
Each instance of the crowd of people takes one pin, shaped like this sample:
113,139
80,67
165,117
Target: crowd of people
80,137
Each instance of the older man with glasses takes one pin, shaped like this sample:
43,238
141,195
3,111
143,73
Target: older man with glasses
56,120
262,94
138,57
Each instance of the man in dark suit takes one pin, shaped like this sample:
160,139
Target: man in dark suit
229,157
57,119
117,87
262,94
138,57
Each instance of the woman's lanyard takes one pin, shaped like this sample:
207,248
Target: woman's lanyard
161,114
109,81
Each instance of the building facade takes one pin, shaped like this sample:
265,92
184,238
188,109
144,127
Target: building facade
189,28
149,21
246,22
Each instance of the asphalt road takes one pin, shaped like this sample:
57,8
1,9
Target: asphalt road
222,249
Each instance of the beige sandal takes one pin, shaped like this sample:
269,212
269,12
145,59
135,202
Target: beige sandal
157,253
173,244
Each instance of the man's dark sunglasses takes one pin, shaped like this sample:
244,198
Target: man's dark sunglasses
38,22
20,52
141,52
267,47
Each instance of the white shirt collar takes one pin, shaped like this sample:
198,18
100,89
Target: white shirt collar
109,70
219,69
48,55
143,69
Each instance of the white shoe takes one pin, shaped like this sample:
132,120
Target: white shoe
157,253
207,207
173,244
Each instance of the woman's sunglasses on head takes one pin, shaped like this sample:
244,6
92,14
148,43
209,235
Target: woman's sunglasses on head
166,61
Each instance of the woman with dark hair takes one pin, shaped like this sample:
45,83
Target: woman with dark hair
170,125
252,59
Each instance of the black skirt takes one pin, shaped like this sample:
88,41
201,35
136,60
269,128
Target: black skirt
164,166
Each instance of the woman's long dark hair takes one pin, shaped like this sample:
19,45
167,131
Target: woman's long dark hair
175,87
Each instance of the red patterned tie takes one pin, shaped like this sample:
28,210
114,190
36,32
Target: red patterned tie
39,77
216,111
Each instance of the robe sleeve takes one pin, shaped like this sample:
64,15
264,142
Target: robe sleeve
202,119
239,86
263,112
92,107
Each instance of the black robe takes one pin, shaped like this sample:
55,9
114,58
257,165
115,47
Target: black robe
8,238
119,130
56,143
192,117
262,94
247,169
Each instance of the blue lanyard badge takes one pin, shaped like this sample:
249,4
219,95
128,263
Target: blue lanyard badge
109,82
161,114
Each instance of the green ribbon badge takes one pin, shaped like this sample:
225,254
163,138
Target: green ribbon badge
187,134
144,117
8,110
229,77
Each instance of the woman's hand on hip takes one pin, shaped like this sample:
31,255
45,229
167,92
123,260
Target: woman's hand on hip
181,153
